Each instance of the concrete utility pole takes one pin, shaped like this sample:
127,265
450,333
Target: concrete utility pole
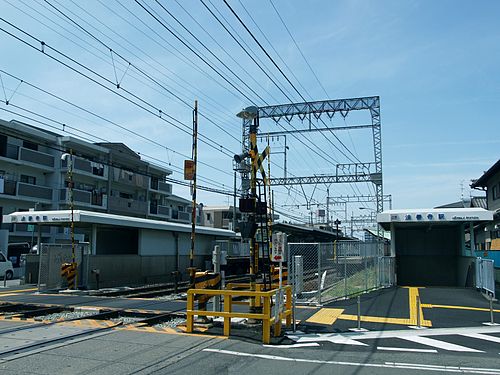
192,269
69,163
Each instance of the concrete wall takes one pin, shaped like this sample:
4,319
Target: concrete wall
123,270
466,271
117,241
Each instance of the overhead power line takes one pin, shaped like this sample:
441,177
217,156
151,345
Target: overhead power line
157,112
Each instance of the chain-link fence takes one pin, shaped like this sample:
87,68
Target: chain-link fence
52,256
323,272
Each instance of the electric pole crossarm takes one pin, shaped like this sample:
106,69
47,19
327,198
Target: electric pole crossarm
318,107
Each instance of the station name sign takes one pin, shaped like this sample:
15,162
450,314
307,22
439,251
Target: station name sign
39,218
426,217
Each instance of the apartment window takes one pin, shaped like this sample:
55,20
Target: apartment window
180,208
209,217
495,192
28,179
30,145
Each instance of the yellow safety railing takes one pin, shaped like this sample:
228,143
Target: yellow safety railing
264,298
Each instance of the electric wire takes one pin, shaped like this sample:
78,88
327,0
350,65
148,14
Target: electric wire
209,50
64,129
156,18
122,127
126,60
158,112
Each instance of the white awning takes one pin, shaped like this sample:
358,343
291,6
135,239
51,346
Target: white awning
90,217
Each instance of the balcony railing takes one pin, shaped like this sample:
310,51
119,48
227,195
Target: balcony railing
130,178
127,205
87,167
165,187
36,157
32,156
158,210
181,216
34,191
83,197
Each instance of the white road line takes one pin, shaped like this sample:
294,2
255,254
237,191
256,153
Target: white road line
292,346
406,349
441,344
302,337
480,336
407,366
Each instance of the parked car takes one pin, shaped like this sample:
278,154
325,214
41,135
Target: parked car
6,269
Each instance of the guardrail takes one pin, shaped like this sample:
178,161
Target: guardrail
269,316
485,276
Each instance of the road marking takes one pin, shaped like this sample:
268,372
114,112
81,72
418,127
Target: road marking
334,338
481,336
413,366
441,344
306,344
325,316
431,306
8,292
413,295
406,349
376,319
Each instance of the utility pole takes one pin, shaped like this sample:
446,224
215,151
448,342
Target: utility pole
69,163
328,207
192,269
234,203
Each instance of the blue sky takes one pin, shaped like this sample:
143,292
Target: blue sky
434,64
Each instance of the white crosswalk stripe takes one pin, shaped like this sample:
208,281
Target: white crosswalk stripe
436,338
481,336
441,344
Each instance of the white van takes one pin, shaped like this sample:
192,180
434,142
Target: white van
6,269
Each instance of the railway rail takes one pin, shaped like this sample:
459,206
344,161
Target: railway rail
33,333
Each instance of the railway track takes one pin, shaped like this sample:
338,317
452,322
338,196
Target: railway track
40,329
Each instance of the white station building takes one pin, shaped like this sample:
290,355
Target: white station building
429,245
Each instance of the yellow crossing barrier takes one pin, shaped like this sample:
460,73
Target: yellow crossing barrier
267,316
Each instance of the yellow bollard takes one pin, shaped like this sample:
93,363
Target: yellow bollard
189,313
227,309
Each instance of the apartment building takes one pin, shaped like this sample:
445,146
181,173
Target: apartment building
220,217
108,177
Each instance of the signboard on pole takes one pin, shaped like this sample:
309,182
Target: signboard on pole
279,247
189,170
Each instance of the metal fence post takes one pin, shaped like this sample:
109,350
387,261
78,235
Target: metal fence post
345,276
319,273
492,319
366,271
40,251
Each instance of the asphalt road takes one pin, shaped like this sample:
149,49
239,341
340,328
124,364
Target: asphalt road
128,352
455,341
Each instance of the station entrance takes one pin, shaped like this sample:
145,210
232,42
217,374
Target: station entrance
433,247
430,256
